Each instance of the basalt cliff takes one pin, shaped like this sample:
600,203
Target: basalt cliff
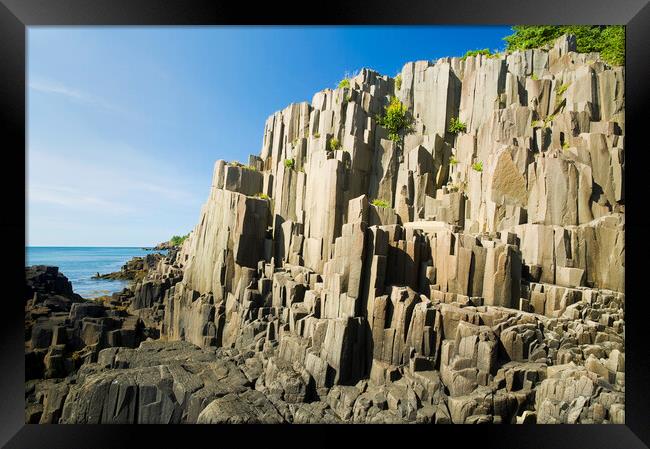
473,276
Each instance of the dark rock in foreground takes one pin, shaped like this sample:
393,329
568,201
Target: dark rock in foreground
63,331
159,383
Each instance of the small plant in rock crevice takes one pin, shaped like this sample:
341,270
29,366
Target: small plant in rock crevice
289,163
477,166
548,120
453,160
333,144
396,120
398,82
561,88
380,203
456,126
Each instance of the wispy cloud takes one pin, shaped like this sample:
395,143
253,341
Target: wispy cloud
119,173
172,194
56,88
72,198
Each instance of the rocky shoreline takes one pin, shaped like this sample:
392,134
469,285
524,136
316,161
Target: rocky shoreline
134,270
474,276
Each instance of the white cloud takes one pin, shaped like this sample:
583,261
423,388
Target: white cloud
56,88
72,198
118,175
172,194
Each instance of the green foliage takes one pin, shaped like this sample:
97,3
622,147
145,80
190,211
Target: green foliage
235,164
534,77
453,160
477,166
566,145
250,167
456,126
396,120
178,240
263,196
317,135
348,98
289,163
484,51
345,82
548,120
561,89
398,81
380,203
613,48
546,123
333,144
608,40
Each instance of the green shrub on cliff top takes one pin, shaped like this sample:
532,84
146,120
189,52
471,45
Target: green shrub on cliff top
345,82
396,120
484,51
608,40
178,240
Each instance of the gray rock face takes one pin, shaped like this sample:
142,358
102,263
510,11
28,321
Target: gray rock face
158,383
475,277
251,407
490,239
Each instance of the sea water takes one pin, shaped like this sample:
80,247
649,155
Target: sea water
80,264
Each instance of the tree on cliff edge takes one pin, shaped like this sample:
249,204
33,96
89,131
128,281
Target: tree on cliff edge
608,40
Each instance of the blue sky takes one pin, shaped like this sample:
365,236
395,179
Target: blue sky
125,123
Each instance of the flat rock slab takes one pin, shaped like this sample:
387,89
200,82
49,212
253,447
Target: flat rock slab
160,383
250,407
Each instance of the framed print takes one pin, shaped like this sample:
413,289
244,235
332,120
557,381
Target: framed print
378,215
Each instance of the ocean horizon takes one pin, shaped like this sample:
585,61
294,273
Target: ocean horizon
80,263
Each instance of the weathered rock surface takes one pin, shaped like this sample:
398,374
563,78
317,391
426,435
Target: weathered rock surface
135,269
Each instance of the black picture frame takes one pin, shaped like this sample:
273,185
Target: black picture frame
16,15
